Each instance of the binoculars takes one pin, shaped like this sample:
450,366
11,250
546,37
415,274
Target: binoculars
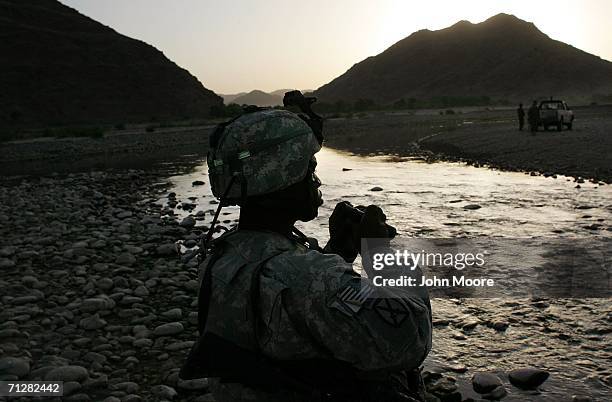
354,215
296,98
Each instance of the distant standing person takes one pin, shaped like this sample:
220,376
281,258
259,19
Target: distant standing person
521,116
534,117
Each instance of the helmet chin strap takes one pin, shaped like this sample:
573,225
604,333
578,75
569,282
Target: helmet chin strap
222,203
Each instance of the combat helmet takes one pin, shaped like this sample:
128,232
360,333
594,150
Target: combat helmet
259,153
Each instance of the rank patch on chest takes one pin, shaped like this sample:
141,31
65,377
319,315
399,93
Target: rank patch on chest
352,296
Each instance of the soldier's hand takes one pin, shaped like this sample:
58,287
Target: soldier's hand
373,226
344,232
348,225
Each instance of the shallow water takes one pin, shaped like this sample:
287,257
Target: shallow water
570,338
423,199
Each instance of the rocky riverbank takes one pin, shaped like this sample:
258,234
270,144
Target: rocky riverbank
133,141
94,292
484,138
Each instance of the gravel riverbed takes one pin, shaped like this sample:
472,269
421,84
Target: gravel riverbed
93,290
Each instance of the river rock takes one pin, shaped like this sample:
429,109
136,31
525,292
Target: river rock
105,283
499,325
143,343
67,373
497,393
98,244
124,214
199,384
472,206
376,188
7,251
168,249
125,259
96,304
6,263
188,222
164,392
14,366
527,378
485,382
127,386
197,183
92,323
173,314
445,389
205,398
190,243
171,328
141,291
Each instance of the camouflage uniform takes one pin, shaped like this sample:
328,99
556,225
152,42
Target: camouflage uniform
310,306
309,284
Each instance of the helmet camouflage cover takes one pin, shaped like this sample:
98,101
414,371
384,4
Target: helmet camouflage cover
265,151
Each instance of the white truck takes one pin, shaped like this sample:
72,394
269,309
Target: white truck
555,113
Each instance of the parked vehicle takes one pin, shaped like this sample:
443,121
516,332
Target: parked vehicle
555,113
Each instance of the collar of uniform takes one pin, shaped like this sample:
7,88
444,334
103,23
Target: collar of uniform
254,245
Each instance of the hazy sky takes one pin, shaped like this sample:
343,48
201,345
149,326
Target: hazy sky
240,45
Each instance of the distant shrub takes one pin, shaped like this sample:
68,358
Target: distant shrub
95,132
230,110
9,135
68,132
361,105
450,111
400,104
150,129
217,111
120,126
15,116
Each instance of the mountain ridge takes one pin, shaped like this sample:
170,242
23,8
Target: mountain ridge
64,68
502,57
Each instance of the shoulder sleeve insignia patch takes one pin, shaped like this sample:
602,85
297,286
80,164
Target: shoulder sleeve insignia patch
393,311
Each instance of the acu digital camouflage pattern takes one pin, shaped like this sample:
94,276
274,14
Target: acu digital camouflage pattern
280,145
309,284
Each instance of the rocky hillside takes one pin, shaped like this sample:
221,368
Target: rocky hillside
503,57
60,67
259,98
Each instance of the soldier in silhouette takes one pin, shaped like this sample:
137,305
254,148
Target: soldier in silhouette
533,115
521,116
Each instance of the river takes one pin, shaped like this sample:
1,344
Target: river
570,338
